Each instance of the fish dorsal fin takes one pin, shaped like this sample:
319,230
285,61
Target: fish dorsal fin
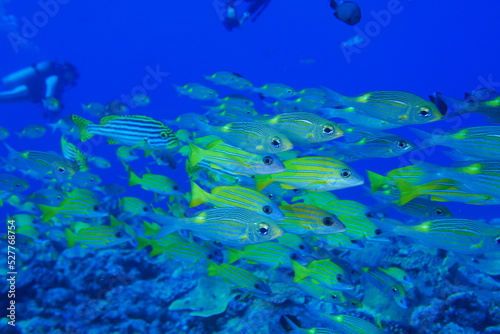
107,119
214,144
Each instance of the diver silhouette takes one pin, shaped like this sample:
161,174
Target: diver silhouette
43,82
237,12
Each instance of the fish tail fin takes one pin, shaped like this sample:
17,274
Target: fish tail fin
133,178
169,224
429,139
82,125
47,212
156,249
408,192
70,237
262,181
334,100
234,255
300,272
13,154
198,195
142,243
196,155
377,181
212,269
387,227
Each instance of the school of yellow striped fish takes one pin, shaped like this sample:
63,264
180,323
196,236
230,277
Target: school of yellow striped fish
263,166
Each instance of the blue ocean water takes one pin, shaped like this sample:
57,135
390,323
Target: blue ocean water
422,47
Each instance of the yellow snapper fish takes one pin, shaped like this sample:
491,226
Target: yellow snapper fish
196,91
313,173
271,254
303,219
42,163
100,236
387,284
253,137
462,236
391,106
135,130
229,225
220,155
32,132
276,90
140,100
238,197
304,127
223,78
481,142
240,278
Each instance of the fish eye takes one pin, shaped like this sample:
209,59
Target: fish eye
118,234
276,142
424,112
271,196
328,221
497,240
339,278
175,188
163,134
345,173
18,185
401,143
91,179
58,197
296,191
439,212
145,209
378,231
369,214
302,247
395,290
96,207
267,160
264,229
267,209
294,256
61,170
354,304
289,91
334,296
328,129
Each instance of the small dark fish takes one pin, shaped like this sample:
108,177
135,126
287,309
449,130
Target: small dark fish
346,11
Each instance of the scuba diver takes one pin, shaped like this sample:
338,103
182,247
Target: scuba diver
42,82
346,11
248,9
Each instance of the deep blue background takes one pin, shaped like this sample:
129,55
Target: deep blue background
447,46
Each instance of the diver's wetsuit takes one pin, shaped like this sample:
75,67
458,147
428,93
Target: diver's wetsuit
39,81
